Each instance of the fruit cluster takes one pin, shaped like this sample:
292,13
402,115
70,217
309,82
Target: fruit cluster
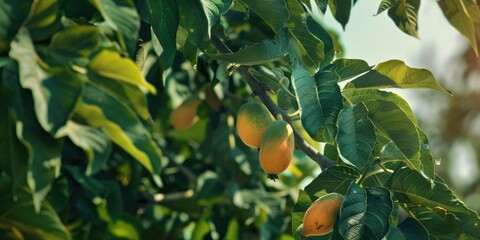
274,138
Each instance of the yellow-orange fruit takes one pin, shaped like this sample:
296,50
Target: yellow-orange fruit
276,149
253,120
185,115
320,217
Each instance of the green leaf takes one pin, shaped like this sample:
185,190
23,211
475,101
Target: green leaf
44,20
303,202
356,136
343,69
403,13
463,15
12,15
333,179
341,10
213,10
307,97
356,96
326,37
123,18
14,158
121,77
77,39
272,82
412,229
209,189
310,47
43,150
425,156
22,217
392,122
273,12
396,74
330,99
193,24
104,195
164,18
411,188
365,213
257,53
100,109
436,226
94,141
55,93
395,234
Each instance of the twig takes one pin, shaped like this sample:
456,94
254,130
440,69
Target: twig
260,90
170,197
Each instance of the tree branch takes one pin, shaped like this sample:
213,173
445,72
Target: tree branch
260,90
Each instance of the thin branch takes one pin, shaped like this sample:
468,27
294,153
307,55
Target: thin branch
170,197
260,90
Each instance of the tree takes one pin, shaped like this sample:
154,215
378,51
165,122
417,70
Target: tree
88,88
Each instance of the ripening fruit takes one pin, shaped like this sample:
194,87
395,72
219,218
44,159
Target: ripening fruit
253,120
276,149
320,217
185,115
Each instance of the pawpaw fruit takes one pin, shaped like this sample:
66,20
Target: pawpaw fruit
320,217
185,115
276,149
253,120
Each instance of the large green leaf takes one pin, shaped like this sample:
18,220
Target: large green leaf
121,77
425,156
257,53
122,17
77,39
343,69
396,74
329,92
410,187
309,46
213,10
356,96
94,141
356,136
311,111
392,122
14,158
44,20
437,227
55,93
12,15
19,216
273,12
43,150
164,18
341,10
193,24
100,109
403,13
329,43
333,179
463,15
365,213
412,229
